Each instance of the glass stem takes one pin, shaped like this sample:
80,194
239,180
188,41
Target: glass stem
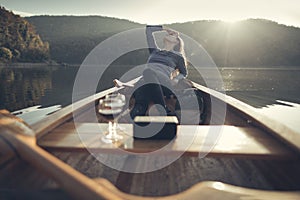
112,129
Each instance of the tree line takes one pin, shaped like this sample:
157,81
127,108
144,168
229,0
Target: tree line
19,41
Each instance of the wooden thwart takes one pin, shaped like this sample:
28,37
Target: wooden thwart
191,140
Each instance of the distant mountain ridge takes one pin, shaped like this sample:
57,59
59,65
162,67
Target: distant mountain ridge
254,42
71,38
52,27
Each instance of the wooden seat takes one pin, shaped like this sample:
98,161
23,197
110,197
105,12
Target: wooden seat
191,140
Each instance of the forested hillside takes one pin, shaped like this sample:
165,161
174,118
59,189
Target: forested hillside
254,42
71,38
19,41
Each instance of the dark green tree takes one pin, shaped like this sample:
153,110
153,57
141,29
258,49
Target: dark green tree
5,54
20,38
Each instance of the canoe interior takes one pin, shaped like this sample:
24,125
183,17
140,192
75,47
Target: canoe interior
18,176
186,171
20,180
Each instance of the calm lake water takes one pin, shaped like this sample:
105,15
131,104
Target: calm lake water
271,90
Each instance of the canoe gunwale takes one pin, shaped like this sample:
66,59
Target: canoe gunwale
56,119
250,114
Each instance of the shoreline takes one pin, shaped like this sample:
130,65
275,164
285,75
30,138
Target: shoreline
32,65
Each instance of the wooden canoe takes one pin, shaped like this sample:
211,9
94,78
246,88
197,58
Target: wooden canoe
254,157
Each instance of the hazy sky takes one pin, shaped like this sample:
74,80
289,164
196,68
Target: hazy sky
165,11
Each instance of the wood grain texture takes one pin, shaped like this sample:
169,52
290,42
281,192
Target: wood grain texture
215,140
277,129
81,187
184,173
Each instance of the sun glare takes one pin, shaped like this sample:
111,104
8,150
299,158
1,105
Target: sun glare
231,22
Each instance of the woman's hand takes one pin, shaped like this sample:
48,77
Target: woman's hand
171,32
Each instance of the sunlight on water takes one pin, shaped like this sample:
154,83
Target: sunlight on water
284,112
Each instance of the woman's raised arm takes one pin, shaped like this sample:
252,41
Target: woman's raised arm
150,38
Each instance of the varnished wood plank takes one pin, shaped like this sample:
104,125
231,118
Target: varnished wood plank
187,171
82,187
277,129
190,140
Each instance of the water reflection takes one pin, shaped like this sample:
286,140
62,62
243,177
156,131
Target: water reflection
23,87
20,88
30,86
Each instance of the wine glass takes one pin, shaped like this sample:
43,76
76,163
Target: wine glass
111,107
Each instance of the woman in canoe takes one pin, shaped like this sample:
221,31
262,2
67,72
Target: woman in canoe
165,67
